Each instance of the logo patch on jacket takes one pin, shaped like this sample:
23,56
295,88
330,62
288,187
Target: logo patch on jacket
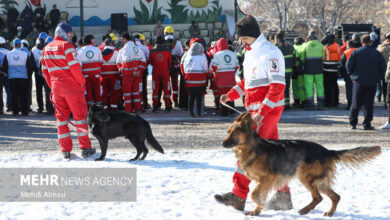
89,54
273,65
227,58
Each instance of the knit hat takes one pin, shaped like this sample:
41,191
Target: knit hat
42,35
16,41
160,40
48,40
248,26
66,27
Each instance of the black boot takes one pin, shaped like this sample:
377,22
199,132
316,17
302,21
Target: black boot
310,105
231,200
66,154
88,152
320,104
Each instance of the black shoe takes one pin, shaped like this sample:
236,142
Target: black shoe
176,104
353,127
40,110
287,107
66,154
1,112
168,109
9,110
25,113
154,109
192,115
88,152
231,200
369,128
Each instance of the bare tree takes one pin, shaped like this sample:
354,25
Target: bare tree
270,9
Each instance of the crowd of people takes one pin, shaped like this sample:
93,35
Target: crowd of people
28,23
181,73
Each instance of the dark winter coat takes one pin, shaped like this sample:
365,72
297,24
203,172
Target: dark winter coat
366,65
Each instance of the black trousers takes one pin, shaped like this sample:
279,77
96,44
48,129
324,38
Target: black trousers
287,90
195,96
1,92
183,94
348,90
145,87
40,84
331,89
362,95
19,91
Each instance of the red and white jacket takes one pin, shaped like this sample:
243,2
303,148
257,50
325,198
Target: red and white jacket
224,65
264,78
60,65
194,66
109,61
131,59
91,60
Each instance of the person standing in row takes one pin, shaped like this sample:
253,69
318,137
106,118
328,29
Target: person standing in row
110,78
312,55
194,67
130,62
161,60
17,64
288,53
3,78
91,60
63,74
367,67
331,66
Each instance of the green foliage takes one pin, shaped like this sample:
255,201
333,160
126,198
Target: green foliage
178,14
143,16
5,5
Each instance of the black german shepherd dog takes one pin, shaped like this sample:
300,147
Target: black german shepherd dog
109,125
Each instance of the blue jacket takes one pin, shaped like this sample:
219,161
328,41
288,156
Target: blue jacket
18,64
366,65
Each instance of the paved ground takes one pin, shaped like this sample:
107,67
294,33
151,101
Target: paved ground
175,130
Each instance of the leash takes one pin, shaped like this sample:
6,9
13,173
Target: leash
228,106
66,118
234,109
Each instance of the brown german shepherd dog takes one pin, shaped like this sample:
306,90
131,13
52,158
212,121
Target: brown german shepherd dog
273,163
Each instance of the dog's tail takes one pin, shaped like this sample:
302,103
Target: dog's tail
354,158
152,141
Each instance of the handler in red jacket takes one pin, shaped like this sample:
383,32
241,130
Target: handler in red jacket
63,75
161,60
263,86
110,77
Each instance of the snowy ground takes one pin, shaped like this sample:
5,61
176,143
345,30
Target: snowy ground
181,185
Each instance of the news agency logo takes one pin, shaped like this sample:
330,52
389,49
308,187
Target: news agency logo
68,184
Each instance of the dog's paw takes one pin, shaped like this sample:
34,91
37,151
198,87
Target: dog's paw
252,213
303,211
330,214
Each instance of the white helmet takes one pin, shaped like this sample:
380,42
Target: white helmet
24,41
2,40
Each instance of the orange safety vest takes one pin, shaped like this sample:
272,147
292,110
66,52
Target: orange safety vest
333,52
348,52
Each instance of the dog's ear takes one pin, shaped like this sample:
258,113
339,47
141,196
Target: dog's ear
239,118
102,116
246,121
